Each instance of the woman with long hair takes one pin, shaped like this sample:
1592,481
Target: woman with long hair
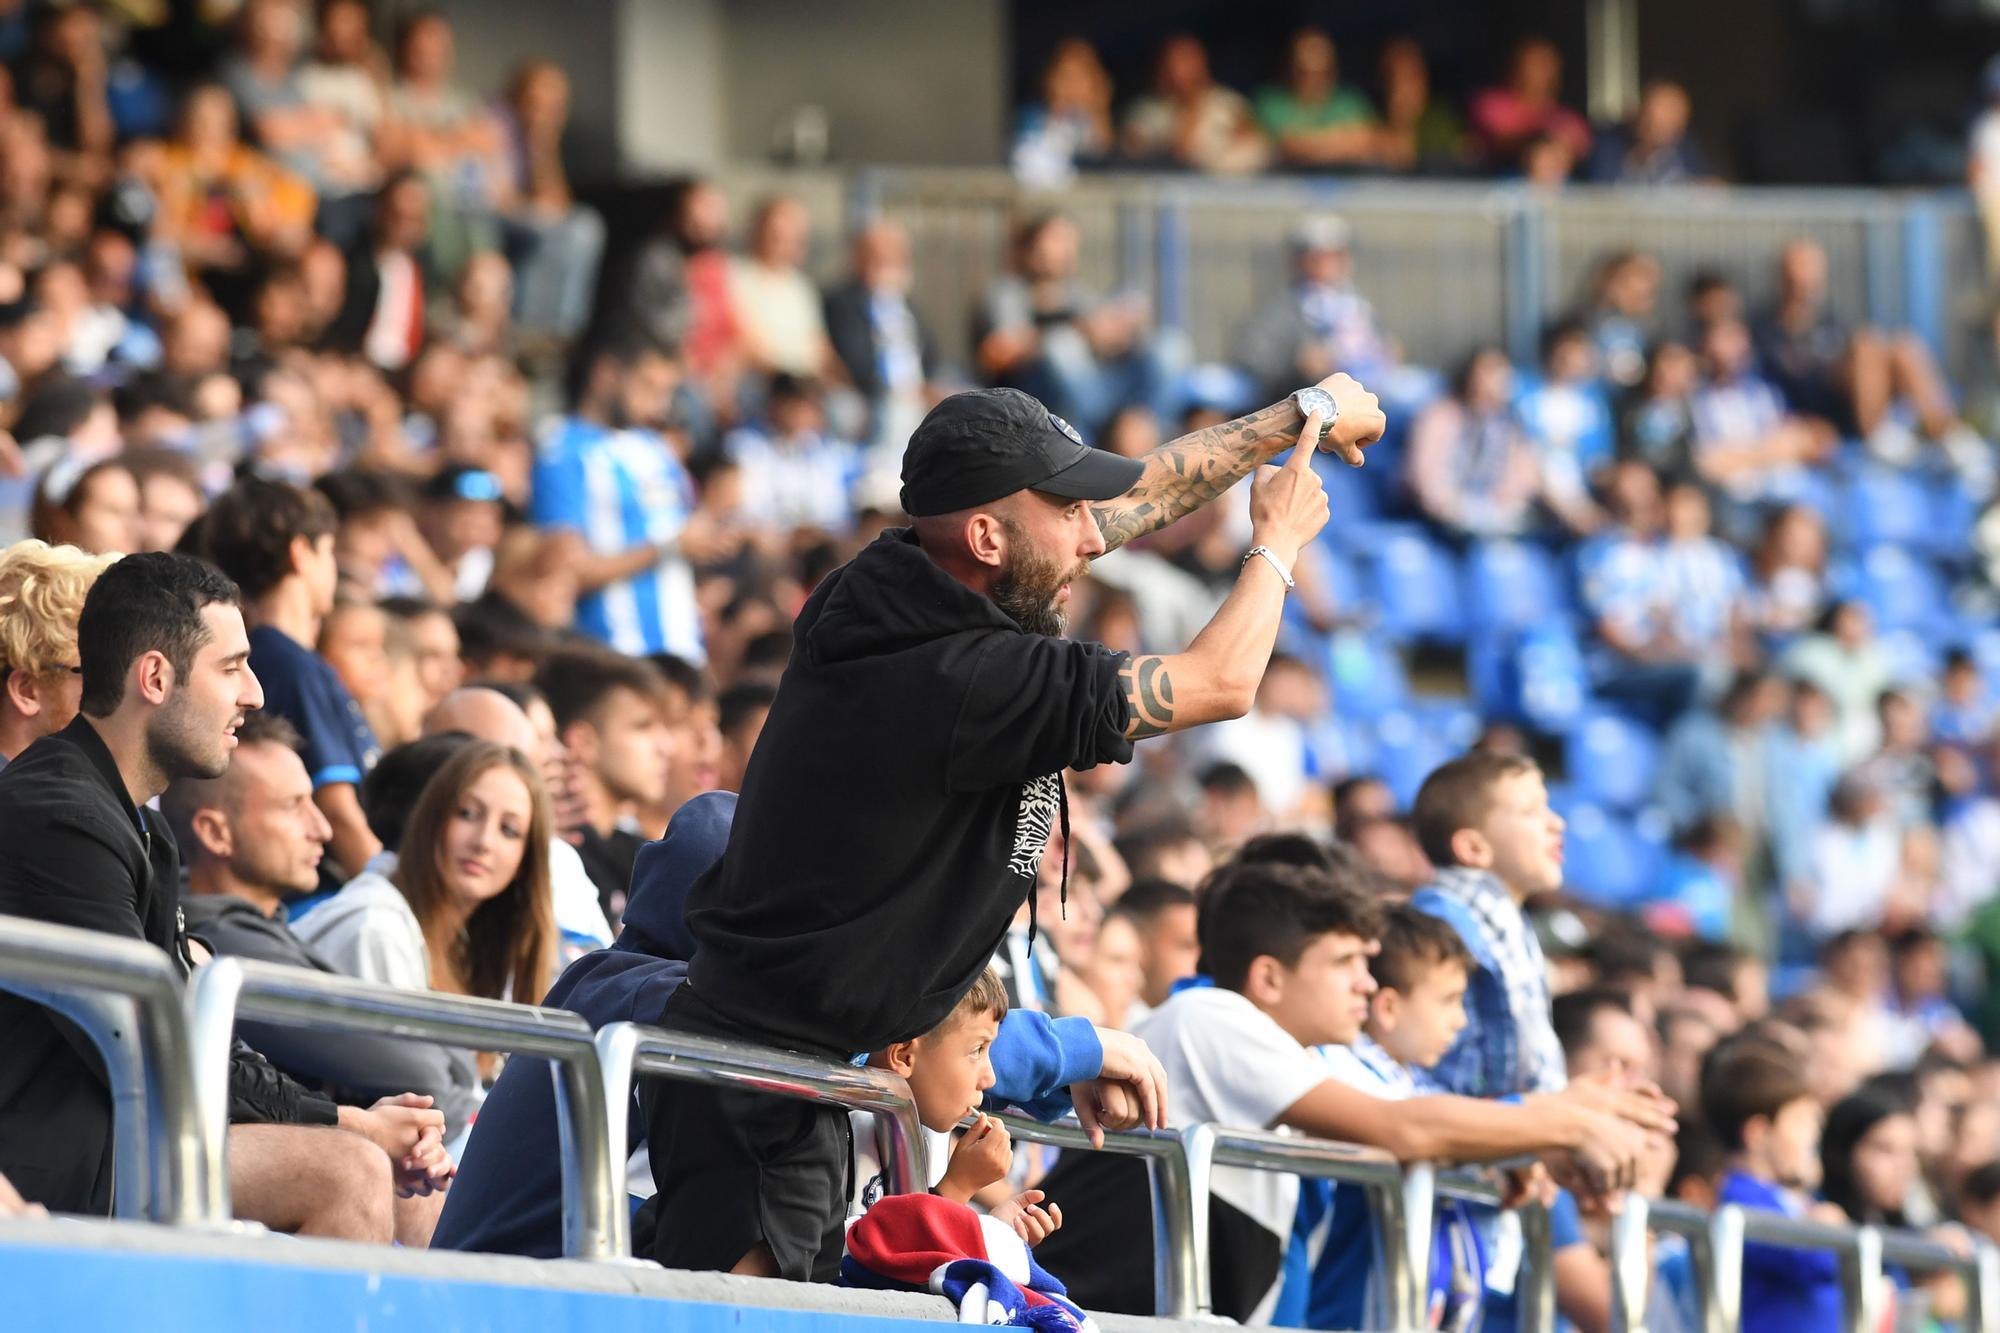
474,868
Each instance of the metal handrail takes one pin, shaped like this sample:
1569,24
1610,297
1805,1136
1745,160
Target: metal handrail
627,1051
1180,1212
75,972
596,1224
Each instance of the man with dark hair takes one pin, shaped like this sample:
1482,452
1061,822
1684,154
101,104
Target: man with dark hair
610,717
740,711
1231,809
895,814
1289,950
166,683
433,641
497,640
1599,1034
276,540
253,838
1165,914
606,473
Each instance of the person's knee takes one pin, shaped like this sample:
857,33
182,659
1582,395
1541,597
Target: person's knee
359,1187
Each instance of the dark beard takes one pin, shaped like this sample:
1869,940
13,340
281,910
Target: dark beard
1026,590
178,749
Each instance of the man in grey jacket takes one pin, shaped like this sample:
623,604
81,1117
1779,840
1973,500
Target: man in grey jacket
253,838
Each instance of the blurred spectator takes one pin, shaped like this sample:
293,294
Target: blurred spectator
276,541
777,307
1387,845
1471,467
678,297
1505,120
794,475
1964,711
353,638
1042,330
1231,809
461,522
1746,444
1855,878
887,352
382,313
1700,885
1312,119
1165,847
1703,580
1846,661
42,591
1714,760
1654,148
555,243
434,641
1419,132
1190,120
1643,662
1802,763
1713,296
1656,426
610,721
1548,161
1324,325
1115,974
1868,1153
636,584
740,711
1982,161
1921,1013
92,505
442,132
1164,913
1270,742
64,82
170,495
221,201
1071,125
1902,766
1358,799
1623,314
1857,379
1567,415
1788,588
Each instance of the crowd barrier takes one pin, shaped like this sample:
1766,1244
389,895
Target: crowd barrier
1449,265
166,1050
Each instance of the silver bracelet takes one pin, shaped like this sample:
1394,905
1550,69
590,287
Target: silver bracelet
1276,564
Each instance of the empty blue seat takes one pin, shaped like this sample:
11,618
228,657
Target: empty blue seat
1416,588
1407,752
1454,721
1513,585
1612,760
1605,861
1911,657
1366,674
1901,588
1350,496
1885,504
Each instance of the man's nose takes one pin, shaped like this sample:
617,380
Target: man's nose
1093,537
253,691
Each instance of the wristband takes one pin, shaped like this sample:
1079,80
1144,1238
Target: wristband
1276,564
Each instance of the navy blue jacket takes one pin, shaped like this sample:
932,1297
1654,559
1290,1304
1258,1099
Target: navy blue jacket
507,1198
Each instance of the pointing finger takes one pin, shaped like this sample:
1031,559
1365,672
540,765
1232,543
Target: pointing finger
1308,441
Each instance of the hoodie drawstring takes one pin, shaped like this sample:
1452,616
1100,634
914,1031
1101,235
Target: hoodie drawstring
1062,805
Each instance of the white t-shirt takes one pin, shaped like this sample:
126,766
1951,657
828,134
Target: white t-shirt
1229,1063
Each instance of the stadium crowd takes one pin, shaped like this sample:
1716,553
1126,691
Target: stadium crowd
1631,727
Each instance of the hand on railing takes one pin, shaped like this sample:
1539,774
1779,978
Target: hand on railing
1129,1092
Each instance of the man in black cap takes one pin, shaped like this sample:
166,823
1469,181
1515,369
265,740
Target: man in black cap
897,805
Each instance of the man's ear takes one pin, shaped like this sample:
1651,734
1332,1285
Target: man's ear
211,829
1470,848
302,550
1385,1008
1264,983
1756,1133
24,693
580,739
153,677
986,539
899,1059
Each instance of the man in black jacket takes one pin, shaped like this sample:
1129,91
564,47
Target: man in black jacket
896,808
166,680
877,334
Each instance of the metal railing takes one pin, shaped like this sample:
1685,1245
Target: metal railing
627,1051
596,1224
167,1056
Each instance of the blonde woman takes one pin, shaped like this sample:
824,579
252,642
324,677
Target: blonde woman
42,588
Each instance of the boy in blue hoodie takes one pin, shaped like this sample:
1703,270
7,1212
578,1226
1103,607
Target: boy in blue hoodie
507,1197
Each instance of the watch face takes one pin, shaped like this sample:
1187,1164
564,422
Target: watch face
1315,400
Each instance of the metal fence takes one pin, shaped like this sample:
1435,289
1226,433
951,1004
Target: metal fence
1450,266
167,1054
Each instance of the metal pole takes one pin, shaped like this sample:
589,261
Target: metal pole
596,1222
1722,1291
1982,1313
1402,1212
1536,1300
1180,1182
1861,1282
1631,1269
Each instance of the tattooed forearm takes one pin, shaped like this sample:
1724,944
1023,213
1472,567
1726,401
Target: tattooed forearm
1149,689
1183,475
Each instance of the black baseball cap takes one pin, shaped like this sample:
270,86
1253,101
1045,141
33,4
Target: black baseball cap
975,447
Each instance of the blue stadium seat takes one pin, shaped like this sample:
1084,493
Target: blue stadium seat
1953,516
1366,674
1902,588
1416,588
1512,585
1611,760
1537,677
1350,495
1406,752
1883,504
1912,658
1453,721
1605,861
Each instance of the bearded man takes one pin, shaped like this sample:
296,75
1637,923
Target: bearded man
895,809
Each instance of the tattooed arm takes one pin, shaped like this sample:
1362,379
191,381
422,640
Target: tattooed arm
1183,475
1217,676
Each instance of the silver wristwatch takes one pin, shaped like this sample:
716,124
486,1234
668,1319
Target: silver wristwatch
1315,399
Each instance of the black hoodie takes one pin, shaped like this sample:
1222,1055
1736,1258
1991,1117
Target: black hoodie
895,809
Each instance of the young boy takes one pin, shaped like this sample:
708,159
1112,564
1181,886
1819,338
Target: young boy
1288,948
949,1070
1758,1101
1420,976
